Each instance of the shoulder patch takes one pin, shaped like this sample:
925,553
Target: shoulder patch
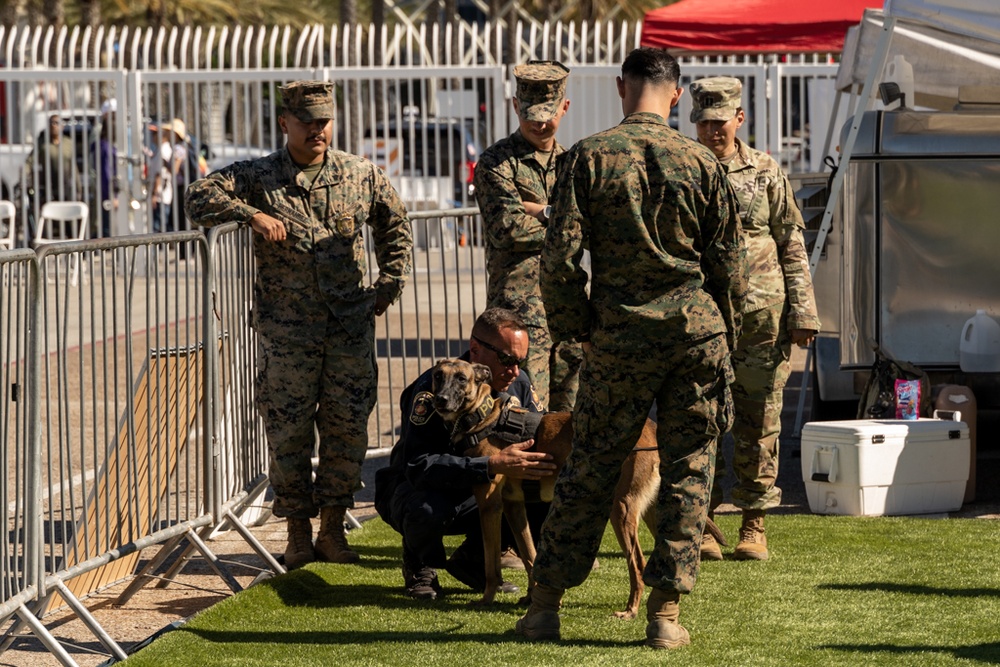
534,399
423,408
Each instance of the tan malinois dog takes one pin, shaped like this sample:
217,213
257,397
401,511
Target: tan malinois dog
462,388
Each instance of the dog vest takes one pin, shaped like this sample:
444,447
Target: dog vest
515,424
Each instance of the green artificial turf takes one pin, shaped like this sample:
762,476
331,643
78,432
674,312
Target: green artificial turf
836,591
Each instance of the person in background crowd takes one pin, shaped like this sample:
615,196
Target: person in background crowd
164,167
105,163
51,172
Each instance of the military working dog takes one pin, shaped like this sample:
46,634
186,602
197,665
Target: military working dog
462,397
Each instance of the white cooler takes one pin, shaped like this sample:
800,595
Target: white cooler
874,467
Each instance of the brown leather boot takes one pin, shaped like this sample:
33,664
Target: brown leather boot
662,611
331,543
710,548
541,622
753,541
299,550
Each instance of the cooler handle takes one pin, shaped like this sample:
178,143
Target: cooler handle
948,415
829,476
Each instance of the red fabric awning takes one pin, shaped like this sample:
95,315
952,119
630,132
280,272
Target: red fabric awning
753,26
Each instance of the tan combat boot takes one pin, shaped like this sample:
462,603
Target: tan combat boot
541,622
662,611
753,541
710,548
299,550
331,543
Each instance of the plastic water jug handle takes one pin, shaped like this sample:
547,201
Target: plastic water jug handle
967,330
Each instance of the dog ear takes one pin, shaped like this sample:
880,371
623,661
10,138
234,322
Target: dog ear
483,374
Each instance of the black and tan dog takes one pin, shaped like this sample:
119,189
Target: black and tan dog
463,398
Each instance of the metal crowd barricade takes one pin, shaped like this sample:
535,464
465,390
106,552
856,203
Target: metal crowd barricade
120,420
434,316
134,422
21,574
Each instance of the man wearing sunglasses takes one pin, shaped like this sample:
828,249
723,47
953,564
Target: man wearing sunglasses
425,492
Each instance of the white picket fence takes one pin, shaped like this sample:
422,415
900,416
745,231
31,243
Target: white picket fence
428,98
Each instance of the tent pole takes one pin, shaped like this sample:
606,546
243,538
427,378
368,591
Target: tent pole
867,94
865,103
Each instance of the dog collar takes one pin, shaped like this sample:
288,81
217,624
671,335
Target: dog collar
470,420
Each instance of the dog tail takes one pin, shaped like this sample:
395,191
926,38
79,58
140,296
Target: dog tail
714,531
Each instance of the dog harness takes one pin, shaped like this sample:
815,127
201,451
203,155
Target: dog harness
515,424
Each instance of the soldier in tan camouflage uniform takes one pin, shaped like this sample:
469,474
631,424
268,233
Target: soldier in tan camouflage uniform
514,181
780,309
314,317
667,288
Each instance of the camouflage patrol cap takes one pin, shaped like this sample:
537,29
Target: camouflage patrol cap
541,86
715,98
308,100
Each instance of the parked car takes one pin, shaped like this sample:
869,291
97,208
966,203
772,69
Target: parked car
425,149
222,154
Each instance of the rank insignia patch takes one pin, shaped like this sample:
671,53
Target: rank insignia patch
423,408
345,225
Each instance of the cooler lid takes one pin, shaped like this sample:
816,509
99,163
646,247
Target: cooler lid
876,431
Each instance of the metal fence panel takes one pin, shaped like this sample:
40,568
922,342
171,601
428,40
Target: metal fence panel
434,316
121,392
17,274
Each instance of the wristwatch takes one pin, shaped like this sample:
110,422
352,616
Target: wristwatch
547,213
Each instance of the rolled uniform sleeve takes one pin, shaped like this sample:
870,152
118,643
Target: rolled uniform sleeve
221,197
393,237
508,225
786,229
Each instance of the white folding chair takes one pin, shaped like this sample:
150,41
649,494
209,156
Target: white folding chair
7,229
63,221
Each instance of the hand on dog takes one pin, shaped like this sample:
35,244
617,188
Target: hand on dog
517,462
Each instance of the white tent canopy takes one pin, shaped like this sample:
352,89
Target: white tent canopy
950,44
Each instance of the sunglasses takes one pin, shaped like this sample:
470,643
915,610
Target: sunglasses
504,358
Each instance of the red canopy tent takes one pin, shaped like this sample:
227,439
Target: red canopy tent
753,26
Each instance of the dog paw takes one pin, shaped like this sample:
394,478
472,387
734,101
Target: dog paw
626,615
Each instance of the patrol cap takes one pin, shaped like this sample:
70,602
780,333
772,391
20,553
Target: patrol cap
541,86
308,100
715,98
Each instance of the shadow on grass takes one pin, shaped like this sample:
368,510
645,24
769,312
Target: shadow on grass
911,589
353,637
305,588
979,652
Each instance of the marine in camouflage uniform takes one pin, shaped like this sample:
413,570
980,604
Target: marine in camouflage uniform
514,180
780,309
666,293
313,314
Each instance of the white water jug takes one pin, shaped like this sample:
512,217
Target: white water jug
979,349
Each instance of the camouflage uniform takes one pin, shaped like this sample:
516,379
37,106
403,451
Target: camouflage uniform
313,316
780,298
509,173
669,277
